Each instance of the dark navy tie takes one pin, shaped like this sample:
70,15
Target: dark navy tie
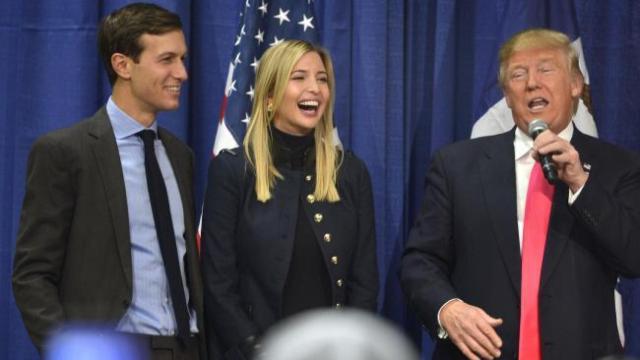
164,229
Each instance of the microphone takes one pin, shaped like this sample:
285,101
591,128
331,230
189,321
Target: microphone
548,167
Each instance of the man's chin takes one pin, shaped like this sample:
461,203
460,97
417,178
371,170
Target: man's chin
170,106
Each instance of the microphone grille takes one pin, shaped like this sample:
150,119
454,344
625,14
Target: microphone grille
537,126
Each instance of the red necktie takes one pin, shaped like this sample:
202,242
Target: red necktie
536,224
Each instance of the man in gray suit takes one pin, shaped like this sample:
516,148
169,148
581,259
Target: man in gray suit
87,247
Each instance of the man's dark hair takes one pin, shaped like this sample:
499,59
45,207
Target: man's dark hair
120,31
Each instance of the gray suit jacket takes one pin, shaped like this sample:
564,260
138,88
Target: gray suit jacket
73,252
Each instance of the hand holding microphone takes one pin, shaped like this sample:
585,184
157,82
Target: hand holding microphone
536,127
560,161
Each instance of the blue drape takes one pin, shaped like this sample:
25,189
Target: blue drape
409,81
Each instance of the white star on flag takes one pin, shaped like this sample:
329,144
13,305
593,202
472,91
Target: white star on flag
255,64
263,8
282,16
276,41
231,88
246,119
306,22
250,92
259,36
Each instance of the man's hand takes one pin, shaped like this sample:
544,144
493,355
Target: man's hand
564,155
471,330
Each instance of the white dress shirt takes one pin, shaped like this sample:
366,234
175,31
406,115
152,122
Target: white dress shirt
522,146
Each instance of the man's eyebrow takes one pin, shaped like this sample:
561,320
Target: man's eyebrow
171,53
516,67
546,61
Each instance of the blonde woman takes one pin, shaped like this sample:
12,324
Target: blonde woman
288,221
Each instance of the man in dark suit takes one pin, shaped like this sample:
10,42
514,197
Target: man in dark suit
462,269
87,247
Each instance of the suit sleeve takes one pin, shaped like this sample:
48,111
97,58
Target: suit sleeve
428,257
42,237
363,284
223,305
609,208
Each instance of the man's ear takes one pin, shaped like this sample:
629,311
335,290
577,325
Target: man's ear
121,64
577,85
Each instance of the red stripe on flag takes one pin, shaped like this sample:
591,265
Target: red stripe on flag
223,109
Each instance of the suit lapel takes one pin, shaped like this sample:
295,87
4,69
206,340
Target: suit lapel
560,225
105,151
182,170
561,222
497,171
500,196
182,165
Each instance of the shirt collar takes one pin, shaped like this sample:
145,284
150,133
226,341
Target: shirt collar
522,143
124,125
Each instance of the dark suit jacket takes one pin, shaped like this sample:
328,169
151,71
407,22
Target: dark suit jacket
465,244
73,253
247,245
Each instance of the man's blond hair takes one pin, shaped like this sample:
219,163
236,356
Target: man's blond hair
537,39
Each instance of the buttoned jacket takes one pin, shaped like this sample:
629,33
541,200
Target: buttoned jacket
247,244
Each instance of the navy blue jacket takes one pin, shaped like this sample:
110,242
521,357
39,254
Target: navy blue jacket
247,244
465,245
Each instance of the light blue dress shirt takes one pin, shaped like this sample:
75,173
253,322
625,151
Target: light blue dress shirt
151,311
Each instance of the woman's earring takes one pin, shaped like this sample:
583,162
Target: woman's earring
269,109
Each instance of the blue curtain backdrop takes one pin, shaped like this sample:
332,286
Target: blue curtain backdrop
409,75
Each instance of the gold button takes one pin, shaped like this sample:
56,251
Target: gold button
327,237
334,260
339,282
311,199
317,217
307,178
338,306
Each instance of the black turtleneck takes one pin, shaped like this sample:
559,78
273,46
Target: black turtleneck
308,284
291,150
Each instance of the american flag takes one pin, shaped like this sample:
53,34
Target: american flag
263,23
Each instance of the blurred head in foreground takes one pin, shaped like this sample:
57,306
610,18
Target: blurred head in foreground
332,335
93,343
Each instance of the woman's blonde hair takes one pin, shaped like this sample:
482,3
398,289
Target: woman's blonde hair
272,78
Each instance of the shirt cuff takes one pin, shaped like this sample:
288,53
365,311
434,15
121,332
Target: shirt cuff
573,196
442,333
